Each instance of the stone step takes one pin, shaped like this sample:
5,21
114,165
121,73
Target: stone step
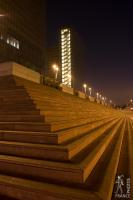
69,124
52,138
57,103
16,101
40,118
18,108
17,104
105,187
60,106
21,112
68,172
25,126
54,118
21,118
18,96
54,152
57,126
71,112
12,92
21,189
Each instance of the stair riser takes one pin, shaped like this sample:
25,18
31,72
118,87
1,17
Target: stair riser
22,119
50,138
25,127
62,154
16,169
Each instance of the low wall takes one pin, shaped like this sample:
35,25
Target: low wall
66,89
92,99
12,68
81,95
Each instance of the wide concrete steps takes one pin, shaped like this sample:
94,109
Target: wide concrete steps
54,152
41,126
21,118
81,175
55,146
53,138
68,172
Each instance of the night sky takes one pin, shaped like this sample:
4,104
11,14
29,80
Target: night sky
103,45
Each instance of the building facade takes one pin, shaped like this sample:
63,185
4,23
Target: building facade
66,62
23,32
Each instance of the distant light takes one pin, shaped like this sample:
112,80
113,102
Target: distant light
55,67
1,15
85,85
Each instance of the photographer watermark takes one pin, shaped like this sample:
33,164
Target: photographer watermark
123,187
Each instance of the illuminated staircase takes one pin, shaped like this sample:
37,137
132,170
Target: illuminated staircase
56,146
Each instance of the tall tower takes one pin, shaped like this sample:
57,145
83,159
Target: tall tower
66,57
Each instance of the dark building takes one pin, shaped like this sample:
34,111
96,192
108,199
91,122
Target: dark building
23,32
53,58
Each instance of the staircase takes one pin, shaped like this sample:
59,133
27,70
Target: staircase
55,146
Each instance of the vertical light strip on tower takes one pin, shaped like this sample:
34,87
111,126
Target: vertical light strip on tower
66,57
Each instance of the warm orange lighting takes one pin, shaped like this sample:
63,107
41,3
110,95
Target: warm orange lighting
56,69
85,87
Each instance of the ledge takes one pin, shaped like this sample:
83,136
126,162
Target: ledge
12,68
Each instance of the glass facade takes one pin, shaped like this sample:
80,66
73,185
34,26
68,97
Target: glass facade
66,57
22,32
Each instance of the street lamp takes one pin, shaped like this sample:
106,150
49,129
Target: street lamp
97,95
131,100
90,91
56,70
103,98
85,87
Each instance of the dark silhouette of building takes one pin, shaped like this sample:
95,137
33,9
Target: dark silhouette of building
53,58
23,32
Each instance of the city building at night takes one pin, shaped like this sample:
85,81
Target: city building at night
53,58
22,32
66,57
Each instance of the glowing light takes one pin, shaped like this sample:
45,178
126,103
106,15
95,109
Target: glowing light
85,87
97,95
56,70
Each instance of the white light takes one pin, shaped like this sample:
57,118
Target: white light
84,85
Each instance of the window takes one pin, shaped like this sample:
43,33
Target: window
11,41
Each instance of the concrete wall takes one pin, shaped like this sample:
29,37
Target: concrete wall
81,95
66,89
12,68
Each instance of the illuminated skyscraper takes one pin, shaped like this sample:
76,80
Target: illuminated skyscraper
66,57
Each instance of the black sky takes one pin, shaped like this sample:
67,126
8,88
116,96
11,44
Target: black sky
104,40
